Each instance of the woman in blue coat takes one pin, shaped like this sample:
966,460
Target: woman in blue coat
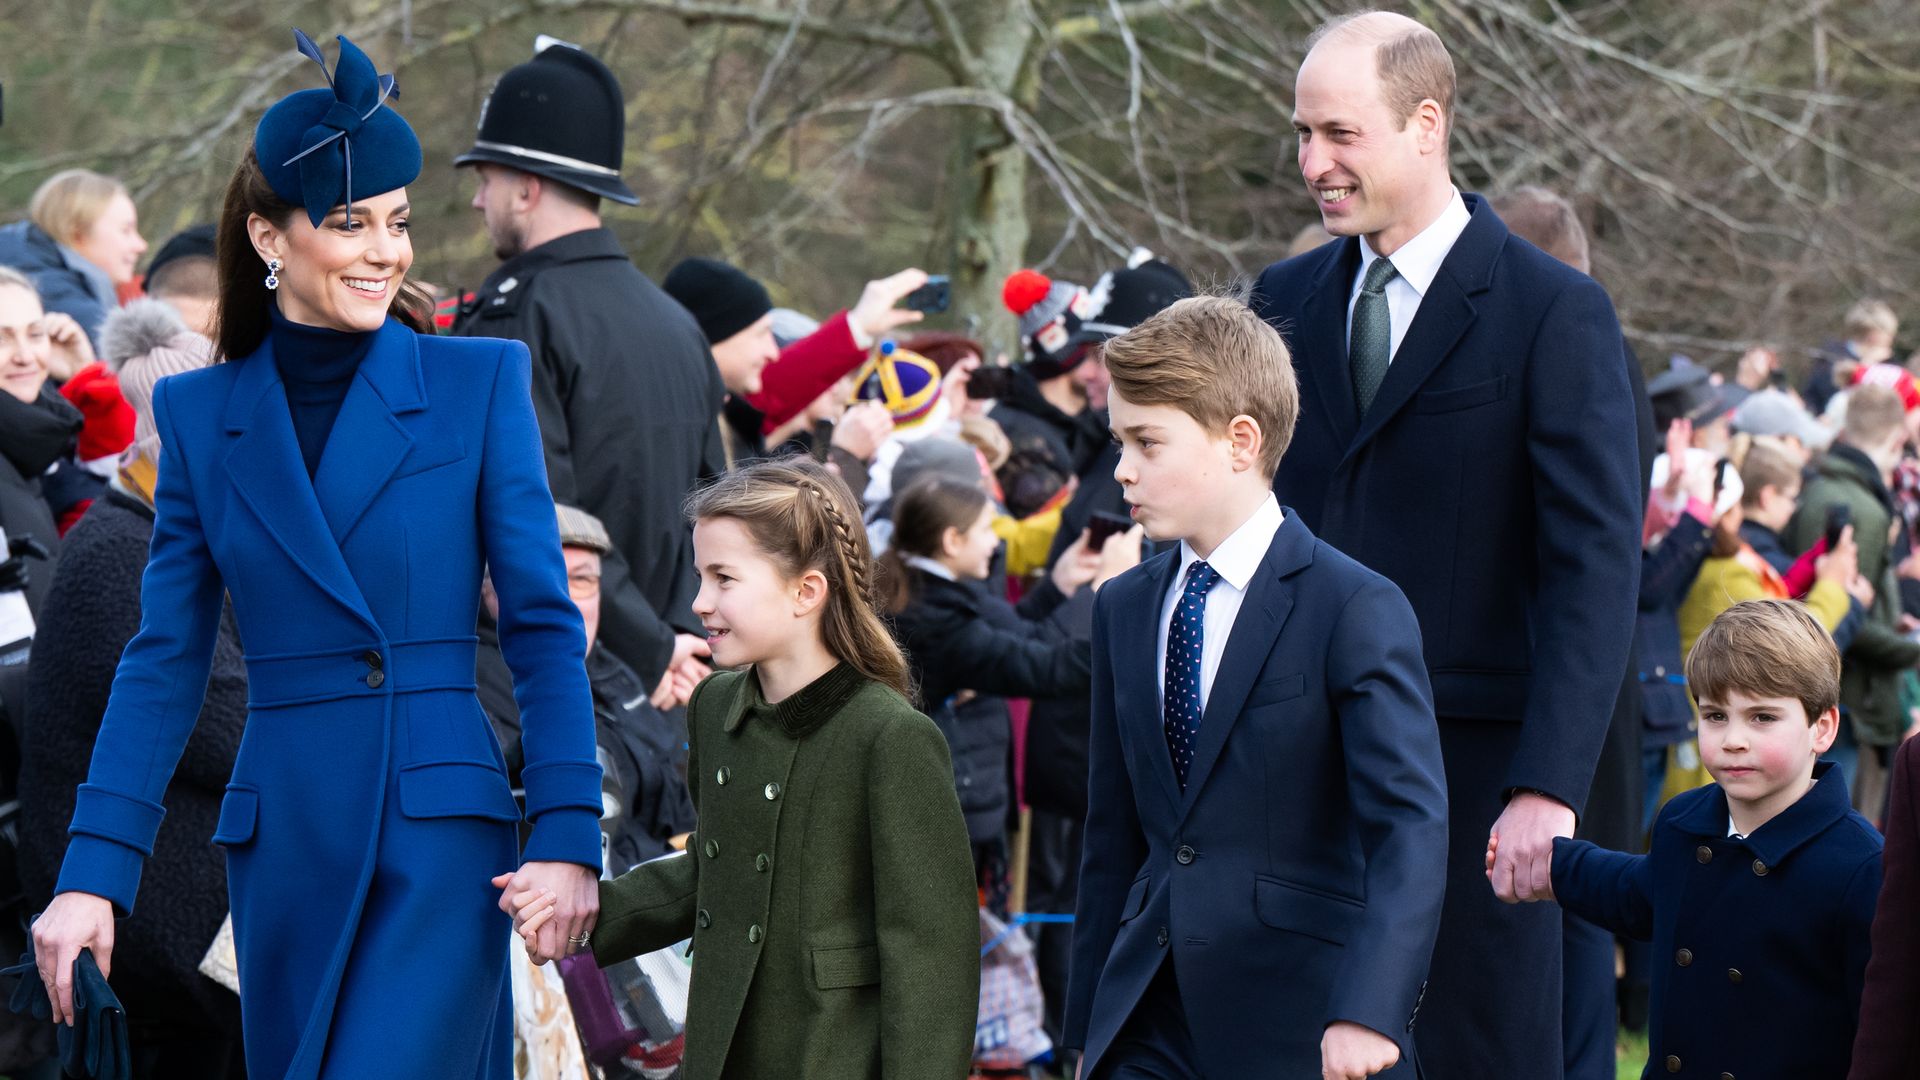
345,480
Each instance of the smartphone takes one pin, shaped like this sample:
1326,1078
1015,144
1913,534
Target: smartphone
1839,516
989,382
822,439
933,297
1104,524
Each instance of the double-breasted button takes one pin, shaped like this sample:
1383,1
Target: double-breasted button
1759,868
1734,976
1184,856
1162,937
373,659
725,774
713,849
376,679
376,676
1684,957
1703,853
703,920
1673,1063
753,934
772,792
761,863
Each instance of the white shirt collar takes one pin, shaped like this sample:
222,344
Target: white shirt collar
1239,555
1418,260
937,569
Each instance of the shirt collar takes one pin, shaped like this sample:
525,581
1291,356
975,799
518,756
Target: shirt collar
926,565
1418,260
1239,555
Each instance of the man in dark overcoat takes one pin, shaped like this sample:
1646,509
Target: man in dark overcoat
623,384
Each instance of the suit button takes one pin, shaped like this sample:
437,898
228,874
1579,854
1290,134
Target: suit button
725,774
1162,938
761,863
1673,1063
1734,976
753,934
703,920
376,678
1184,856
1759,868
713,849
372,659
1683,957
772,792
1703,853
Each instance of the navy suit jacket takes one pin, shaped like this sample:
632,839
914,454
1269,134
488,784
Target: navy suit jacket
1495,480
1297,881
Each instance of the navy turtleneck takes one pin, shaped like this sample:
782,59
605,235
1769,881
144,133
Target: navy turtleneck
317,365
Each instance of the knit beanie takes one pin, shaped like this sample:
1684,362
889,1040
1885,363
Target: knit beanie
1050,316
723,299
143,343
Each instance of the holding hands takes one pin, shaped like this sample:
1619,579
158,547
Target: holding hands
1493,850
554,907
1520,849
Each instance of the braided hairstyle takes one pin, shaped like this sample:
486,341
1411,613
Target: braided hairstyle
804,518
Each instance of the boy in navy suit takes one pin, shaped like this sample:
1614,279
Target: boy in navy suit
1759,891
1266,829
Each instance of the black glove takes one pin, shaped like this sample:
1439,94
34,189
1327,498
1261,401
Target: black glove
13,572
95,1045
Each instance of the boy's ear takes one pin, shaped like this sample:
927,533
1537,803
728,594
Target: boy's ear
1826,728
1244,433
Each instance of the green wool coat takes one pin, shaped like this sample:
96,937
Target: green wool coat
829,890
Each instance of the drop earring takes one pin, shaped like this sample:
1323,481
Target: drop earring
273,274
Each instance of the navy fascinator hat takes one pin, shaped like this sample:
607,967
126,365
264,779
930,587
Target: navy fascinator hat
320,148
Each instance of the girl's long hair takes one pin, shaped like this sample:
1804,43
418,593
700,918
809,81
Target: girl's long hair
922,514
245,307
804,518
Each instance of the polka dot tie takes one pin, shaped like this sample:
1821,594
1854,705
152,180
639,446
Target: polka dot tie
1181,695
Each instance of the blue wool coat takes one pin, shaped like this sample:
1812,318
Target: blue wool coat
1759,945
369,804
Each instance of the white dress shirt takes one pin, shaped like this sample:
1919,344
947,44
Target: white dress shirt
1417,262
1237,557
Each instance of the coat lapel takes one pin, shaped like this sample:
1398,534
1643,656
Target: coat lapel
1136,660
265,466
1320,341
1262,615
368,441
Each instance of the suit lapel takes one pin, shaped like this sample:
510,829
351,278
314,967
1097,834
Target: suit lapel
1263,614
368,440
267,471
1136,660
1320,341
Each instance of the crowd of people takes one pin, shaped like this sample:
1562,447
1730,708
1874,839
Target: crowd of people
963,637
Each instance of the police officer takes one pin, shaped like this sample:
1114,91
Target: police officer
624,385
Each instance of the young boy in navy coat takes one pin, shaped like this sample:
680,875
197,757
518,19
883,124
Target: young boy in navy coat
1758,893
1267,823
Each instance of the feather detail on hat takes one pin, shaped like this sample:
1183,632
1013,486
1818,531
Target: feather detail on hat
136,330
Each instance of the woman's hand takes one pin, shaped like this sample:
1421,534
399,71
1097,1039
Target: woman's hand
71,348
564,897
74,921
1076,566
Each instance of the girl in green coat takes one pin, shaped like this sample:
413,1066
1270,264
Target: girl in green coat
829,889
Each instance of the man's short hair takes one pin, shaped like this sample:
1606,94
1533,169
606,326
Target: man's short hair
1212,358
1413,62
189,277
1766,648
1547,221
1874,413
1866,316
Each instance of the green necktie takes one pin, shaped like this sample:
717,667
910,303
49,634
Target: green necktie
1370,345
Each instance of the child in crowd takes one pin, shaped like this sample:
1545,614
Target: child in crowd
1759,891
828,890
968,647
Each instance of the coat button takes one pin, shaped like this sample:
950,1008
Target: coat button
1683,957
753,934
1734,976
373,660
1184,856
1162,938
703,920
1726,1076
376,678
772,792
725,774
761,863
1673,1063
1703,853
713,849
1759,868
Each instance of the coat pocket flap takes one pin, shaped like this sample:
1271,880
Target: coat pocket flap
1275,691
432,456
456,789
1136,899
239,810
1284,906
854,965
1461,397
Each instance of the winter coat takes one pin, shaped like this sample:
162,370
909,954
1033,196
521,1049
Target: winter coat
1031,422
970,651
1767,544
1666,572
804,370
68,283
1723,583
1888,1044
1759,944
829,891
1879,656
92,612
629,404
33,439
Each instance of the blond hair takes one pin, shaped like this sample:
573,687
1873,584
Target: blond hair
1869,315
1765,464
1873,414
1766,648
1413,63
1212,358
803,518
67,204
